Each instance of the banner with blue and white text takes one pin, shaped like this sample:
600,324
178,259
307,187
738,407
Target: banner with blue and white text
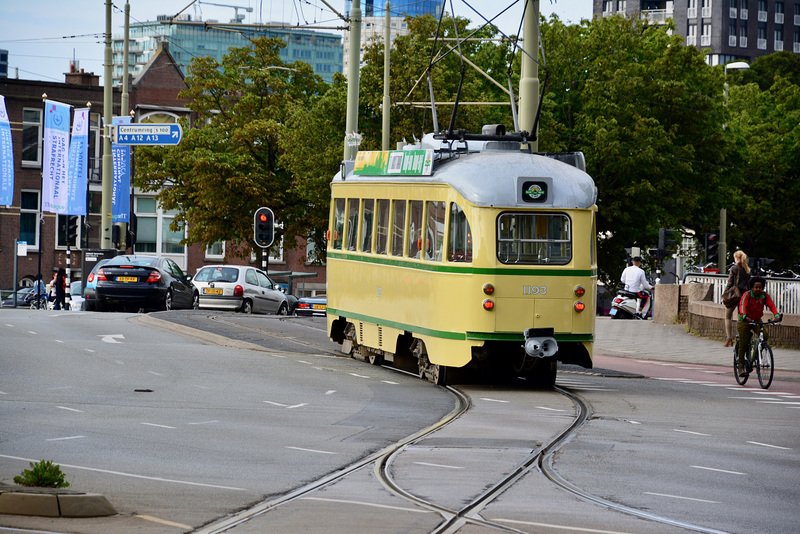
54,166
78,163
6,157
121,192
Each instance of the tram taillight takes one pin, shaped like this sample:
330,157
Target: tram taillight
488,289
488,304
580,291
580,306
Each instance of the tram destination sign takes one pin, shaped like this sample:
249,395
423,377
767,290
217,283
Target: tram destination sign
147,134
389,162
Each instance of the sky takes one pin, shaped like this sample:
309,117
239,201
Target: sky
44,36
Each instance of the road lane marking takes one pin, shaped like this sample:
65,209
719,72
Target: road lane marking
358,375
372,504
204,423
159,426
439,465
3,393
58,341
330,392
89,350
768,445
32,332
310,450
165,522
550,409
717,470
494,400
70,409
131,475
390,382
154,373
690,432
111,338
558,528
679,497
68,437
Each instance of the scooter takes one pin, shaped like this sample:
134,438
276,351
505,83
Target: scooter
626,304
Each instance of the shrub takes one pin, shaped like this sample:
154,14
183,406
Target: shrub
43,474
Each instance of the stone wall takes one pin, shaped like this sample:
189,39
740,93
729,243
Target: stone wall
692,305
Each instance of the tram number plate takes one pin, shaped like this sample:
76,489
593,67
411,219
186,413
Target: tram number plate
211,291
127,279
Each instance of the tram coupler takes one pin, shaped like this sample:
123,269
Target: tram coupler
540,343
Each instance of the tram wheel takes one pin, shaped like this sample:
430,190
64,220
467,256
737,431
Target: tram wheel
434,372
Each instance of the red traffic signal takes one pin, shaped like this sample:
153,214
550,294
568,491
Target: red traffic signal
264,227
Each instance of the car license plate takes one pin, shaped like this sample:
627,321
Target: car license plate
211,291
319,306
127,279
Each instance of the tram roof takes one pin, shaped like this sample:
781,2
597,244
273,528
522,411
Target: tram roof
487,176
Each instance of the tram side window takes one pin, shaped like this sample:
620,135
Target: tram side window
366,225
460,243
534,238
383,226
352,224
434,240
415,229
338,223
398,227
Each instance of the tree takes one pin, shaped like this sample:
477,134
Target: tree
764,206
230,162
648,113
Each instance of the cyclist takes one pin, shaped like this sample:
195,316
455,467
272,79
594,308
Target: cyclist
751,309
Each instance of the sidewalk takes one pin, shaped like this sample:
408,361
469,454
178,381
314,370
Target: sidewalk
652,341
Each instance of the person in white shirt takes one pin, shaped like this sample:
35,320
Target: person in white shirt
635,281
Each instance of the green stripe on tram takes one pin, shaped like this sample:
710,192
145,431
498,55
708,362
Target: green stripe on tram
450,268
458,336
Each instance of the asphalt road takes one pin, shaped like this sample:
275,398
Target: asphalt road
668,447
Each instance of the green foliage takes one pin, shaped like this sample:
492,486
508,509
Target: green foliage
232,160
42,474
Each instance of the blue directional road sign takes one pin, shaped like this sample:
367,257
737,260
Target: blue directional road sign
147,134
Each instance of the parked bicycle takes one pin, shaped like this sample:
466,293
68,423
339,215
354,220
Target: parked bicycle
42,303
758,356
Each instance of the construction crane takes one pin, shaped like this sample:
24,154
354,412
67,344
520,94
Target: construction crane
237,17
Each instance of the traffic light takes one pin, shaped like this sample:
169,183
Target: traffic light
712,248
664,241
264,227
72,228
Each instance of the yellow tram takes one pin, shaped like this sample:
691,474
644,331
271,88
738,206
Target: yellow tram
455,254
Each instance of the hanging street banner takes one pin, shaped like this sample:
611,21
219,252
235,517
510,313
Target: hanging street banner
148,134
78,163
54,167
6,158
121,188
389,162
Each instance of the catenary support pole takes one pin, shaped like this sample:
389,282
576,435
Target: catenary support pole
354,65
387,49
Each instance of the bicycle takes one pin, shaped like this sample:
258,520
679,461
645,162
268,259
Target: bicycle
758,356
42,303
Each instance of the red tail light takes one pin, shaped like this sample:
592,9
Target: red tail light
488,305
303,305
238,291
580,306
617,300
90,278
155,276
101,276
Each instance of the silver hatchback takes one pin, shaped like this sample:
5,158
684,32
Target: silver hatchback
239,287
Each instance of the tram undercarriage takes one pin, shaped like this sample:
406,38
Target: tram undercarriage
500,360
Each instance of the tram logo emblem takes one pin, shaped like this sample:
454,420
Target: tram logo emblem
534,192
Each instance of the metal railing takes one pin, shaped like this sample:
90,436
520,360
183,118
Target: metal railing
785,292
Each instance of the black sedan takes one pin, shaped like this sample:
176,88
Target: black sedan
143,282
312,306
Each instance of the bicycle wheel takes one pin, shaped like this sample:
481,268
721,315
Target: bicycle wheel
739,379
765,365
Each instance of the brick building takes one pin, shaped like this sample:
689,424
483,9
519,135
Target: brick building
153,97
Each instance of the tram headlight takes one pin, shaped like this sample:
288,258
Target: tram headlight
488,289
580,306
488,304
580,291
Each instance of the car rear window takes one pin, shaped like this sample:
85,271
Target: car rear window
217,274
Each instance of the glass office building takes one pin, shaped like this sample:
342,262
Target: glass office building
377,8
323,51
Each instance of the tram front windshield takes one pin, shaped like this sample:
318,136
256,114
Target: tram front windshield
534,238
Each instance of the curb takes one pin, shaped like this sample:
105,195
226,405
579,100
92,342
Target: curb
53,503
